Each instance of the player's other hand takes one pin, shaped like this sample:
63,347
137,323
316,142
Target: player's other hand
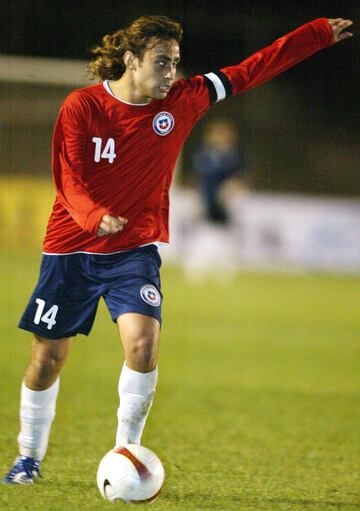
338,26
111,225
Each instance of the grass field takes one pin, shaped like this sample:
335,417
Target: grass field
257,405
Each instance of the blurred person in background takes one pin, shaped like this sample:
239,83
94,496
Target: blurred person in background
115,147
219,159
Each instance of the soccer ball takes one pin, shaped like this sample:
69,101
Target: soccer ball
131,473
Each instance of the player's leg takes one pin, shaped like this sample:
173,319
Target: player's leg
133,297
62,305
39,391
137,384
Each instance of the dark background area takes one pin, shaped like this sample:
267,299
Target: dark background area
300,131
216,33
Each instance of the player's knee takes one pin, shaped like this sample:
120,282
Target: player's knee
47,362
143,352
47,367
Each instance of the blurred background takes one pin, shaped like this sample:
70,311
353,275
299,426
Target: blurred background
281,190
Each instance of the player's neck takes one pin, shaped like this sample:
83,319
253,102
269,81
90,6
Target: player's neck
124,90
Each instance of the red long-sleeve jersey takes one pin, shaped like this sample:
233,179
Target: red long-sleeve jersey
113,157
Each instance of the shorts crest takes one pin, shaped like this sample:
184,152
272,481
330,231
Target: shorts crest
150,295
163,123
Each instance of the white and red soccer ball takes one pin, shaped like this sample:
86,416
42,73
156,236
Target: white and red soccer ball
131,473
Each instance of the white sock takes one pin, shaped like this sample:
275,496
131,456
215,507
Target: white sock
136,391
37,412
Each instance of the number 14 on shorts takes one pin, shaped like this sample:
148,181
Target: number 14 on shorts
48,317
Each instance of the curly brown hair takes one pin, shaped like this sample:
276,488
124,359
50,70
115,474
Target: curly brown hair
109,63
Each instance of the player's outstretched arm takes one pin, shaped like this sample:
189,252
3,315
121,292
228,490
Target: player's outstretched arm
338,26
285,52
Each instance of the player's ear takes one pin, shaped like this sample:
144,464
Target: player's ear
130,60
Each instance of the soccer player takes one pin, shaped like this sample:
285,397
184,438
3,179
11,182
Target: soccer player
114,149
218,159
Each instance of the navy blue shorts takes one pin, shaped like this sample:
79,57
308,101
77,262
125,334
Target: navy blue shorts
66,297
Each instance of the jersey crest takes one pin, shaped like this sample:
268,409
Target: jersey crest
150,295
163,123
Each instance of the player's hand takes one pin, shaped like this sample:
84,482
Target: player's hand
338,26
111,225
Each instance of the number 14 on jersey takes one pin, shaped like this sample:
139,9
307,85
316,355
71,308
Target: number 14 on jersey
104,150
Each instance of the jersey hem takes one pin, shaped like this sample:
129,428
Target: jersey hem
156,243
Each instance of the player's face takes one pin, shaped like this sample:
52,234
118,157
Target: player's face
156,73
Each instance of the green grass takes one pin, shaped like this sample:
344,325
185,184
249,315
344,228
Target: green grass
257,405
